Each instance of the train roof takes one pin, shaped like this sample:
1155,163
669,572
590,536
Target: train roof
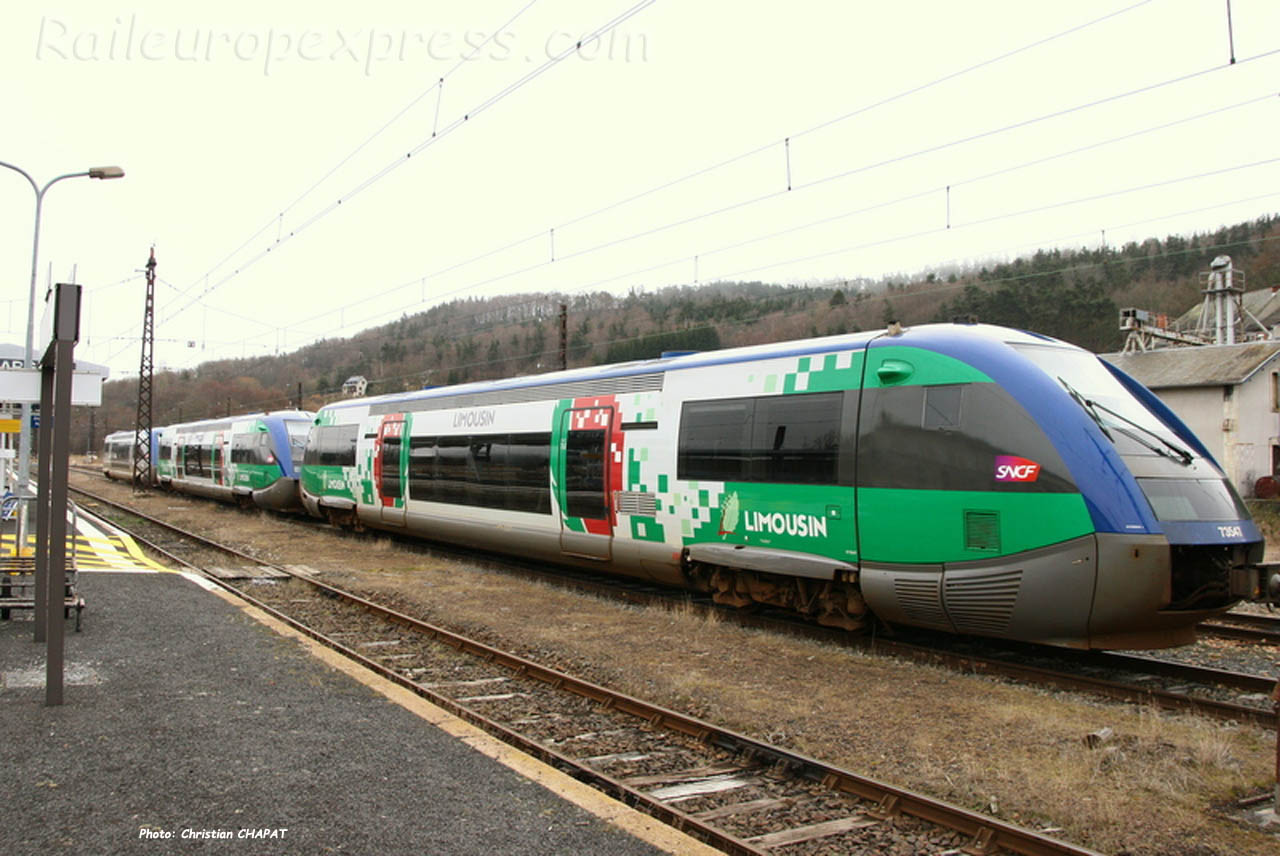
115,435
942,336
299,415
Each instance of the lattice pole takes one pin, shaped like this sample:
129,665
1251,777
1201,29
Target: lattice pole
142,437
564,336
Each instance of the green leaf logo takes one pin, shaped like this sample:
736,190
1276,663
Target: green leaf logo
729,514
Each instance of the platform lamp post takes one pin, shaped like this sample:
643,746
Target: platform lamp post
23,481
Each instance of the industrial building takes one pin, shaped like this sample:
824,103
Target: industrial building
1216,368
1229,395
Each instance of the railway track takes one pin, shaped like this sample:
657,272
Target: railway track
739,794
1245,627
1145,680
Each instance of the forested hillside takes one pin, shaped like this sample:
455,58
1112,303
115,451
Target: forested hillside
1072,294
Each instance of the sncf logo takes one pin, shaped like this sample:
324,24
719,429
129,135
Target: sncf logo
1013,469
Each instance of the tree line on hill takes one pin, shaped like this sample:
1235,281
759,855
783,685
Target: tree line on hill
1072,294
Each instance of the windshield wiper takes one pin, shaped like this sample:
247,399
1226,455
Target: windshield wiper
1088,407
1092,407
1182,454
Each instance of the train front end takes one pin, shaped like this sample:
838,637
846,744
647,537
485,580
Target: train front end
281,460
1175,543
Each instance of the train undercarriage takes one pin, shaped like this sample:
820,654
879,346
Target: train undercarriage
832,603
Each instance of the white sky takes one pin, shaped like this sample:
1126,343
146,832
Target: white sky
223,116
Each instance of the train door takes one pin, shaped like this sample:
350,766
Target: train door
585,455
388,473
217,458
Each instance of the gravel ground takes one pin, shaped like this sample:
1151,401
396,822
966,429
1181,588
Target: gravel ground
1232,655
1165,785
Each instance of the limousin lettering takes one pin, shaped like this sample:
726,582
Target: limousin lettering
777,523
473,418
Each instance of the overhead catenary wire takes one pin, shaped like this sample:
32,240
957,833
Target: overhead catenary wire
685,221
490,101
703,171
823,180
390,167
729,276
438,86
419,281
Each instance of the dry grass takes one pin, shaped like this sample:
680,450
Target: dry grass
1009,750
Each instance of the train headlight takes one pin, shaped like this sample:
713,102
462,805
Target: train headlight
1273,588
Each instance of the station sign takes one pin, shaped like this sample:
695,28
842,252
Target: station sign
23,385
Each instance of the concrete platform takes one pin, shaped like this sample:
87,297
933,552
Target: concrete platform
192,724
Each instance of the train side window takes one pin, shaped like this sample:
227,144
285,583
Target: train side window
714,439
942,407
196,460
422,468
332,446
908,440
489,456
455,471
510,471
584,479
786,439
242,449
390,486
795,439
529,473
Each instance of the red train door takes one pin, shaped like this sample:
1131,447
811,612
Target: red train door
387,471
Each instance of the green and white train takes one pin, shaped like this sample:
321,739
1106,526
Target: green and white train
251,459
966,478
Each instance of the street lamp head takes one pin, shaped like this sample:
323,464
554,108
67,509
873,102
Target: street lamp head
106,172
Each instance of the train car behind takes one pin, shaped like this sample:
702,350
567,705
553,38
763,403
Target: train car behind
118,453
250,459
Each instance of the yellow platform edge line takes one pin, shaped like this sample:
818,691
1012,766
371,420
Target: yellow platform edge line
132,548
106,550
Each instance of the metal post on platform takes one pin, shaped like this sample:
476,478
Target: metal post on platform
41,499
51,542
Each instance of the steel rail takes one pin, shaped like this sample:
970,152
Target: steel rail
1245,628
1118,690
1189,671
986,833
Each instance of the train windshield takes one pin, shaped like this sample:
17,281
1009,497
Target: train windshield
1125,418
1193,499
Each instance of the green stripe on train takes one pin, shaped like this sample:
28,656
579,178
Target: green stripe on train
911,526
